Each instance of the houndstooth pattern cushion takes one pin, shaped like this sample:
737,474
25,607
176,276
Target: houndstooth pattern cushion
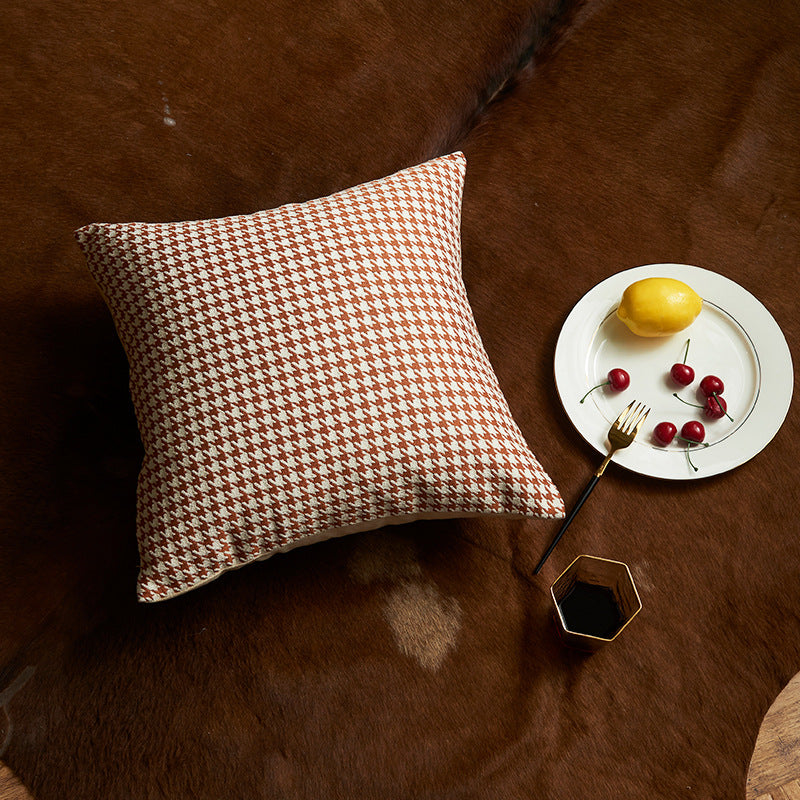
307,372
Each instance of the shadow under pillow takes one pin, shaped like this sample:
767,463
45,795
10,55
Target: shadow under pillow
307,372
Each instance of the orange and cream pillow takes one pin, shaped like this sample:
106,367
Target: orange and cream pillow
307,372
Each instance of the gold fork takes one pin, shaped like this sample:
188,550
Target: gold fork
623,431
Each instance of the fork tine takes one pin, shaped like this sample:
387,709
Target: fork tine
636,418
641,422
621,418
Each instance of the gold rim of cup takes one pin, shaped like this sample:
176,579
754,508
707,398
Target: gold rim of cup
596,571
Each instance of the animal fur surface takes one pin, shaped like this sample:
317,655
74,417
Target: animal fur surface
420,661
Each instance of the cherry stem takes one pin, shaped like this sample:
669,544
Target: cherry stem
689,443
692,441
675,394
714,395
686,351
604,383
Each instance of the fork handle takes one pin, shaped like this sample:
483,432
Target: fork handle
576,508
602,468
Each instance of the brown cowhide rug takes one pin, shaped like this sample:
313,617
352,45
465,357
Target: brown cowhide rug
419,661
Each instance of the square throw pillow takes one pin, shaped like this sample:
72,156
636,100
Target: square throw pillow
307,372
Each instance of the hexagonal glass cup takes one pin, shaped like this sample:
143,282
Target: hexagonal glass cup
595,599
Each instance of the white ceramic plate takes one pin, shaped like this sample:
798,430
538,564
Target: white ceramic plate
734,337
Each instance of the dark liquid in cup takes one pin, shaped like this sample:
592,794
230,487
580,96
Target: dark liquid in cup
591,610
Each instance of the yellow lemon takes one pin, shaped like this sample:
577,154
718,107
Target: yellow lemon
659,306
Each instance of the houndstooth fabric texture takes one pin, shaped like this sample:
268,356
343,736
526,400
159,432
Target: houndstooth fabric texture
307,372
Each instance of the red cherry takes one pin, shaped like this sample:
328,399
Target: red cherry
664,433
716,407
693,431
682,374
711,384
619,379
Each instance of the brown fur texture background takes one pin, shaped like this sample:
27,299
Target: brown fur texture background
417,662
